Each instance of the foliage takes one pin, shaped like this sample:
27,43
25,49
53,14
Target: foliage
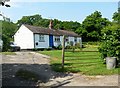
37,20
8,30
91,43
59,47
110,45
88,63
29,19
116,16
91,27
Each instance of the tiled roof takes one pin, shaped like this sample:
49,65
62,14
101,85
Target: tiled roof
48,31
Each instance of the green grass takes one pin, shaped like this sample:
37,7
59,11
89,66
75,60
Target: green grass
88,63
8,53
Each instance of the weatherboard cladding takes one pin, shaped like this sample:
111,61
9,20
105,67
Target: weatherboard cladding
47,31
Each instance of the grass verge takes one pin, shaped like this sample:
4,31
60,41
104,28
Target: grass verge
8,53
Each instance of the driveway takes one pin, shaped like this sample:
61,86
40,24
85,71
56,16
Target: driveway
39,64
30,61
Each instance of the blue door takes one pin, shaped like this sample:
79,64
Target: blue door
51,41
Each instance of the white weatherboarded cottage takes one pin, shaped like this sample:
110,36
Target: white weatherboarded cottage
31,37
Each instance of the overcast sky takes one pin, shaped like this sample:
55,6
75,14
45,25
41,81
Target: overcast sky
65,11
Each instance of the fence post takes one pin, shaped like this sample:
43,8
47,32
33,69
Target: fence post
63,51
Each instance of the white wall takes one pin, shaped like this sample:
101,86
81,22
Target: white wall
24,38
72,39
79,40
55,42
44,44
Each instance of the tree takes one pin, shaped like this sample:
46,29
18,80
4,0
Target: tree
70,25
116,16
37,20
8,30
31,20
110,43
92,25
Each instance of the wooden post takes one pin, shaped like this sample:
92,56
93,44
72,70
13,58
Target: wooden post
63,51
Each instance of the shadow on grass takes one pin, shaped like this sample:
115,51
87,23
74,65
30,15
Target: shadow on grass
85,68
67,68
42,71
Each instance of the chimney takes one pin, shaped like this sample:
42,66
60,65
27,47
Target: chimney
50,25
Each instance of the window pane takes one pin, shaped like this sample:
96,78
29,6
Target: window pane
41,38
57,38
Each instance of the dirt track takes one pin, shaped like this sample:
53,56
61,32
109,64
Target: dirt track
39,64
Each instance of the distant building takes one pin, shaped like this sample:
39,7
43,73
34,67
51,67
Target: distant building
30,37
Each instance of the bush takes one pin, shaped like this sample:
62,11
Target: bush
68,47
59,47
91,43
110,45
77,46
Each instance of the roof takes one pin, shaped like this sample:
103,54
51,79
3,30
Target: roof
48,31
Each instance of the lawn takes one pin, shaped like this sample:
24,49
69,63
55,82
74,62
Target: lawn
8,53
88,63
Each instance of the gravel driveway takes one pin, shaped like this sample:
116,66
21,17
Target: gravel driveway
39,64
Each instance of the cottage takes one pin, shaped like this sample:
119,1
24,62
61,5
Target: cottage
30,37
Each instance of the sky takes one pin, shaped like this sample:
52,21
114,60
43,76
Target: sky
65,11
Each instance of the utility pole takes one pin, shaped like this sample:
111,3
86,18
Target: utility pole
63,51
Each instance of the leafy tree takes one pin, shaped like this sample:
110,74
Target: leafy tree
110,44
42,23
91,27
116,16
56,24
37,20
70,25
31,20
8,30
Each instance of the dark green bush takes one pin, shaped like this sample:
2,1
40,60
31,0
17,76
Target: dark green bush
77,46
59,47
110,44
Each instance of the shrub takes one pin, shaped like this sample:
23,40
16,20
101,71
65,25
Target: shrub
110,45
77,46
59,47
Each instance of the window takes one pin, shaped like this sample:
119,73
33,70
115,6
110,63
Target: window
41,38
75,39
57,38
